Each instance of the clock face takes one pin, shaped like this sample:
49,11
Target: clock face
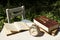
33,31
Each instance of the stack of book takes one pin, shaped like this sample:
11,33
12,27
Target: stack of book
45,23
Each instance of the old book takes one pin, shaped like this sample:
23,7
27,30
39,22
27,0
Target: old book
54,32
23,25
46,23
20,26
17,26
11,26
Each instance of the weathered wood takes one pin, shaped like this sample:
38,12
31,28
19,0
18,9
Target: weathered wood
11,13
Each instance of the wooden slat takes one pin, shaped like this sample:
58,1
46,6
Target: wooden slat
11,13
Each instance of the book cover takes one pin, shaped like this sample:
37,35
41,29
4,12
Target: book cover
46,23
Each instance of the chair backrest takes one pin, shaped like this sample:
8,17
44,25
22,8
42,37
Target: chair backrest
11,13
